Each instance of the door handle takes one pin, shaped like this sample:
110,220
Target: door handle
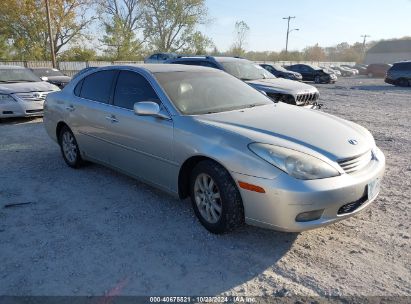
70,108
112,118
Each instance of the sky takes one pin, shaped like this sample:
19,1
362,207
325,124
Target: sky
319,21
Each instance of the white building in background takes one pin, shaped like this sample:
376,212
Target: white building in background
389,51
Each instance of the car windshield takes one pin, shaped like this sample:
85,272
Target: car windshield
317,68
209,92
246,70
47,72
17,75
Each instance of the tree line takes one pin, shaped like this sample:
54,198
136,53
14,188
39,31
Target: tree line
130,30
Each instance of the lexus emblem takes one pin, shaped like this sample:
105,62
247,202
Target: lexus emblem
353,142
36,95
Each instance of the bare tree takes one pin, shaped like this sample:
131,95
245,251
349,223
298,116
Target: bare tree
240,37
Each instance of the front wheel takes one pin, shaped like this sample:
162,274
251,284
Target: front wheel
317,79
69,148
215,198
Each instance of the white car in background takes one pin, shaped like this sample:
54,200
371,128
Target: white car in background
21,92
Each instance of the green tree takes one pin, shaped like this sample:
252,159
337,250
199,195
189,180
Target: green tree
122,20
169,25
78,53
199,44
24,23
5,48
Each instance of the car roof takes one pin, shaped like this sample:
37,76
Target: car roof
43,68
11,67
206,57
164,67
401,62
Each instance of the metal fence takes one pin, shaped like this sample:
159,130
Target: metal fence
72,67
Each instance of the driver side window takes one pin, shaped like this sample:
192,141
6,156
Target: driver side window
131,88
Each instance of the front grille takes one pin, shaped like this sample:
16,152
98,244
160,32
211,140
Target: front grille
306,98
34,111
32,96
354,164
351,207
300,100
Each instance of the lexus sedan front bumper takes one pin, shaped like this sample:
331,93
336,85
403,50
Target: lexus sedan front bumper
293,205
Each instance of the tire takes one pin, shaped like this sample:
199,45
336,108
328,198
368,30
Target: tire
317,79
69,148
225,210
402,82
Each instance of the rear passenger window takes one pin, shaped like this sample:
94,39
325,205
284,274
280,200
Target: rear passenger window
97,86
208,64
131,88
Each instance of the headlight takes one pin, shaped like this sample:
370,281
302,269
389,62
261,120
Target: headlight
5,98
294,163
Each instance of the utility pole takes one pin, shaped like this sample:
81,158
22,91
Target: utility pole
288,31
364,41
53,56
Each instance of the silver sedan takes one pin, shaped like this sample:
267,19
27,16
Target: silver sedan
201,133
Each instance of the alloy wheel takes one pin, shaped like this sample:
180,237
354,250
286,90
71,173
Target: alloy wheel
69,147
208,198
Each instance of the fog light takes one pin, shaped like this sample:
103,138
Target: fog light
309,216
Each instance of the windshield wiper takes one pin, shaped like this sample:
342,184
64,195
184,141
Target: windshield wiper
17,80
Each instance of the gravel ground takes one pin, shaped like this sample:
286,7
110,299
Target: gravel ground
94,231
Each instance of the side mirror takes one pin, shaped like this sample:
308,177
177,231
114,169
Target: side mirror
44,78
148,108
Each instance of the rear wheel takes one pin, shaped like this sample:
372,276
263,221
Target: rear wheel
215,198
402,82
69,148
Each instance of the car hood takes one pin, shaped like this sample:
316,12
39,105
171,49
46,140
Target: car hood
60,79
308,131
280,85
23,87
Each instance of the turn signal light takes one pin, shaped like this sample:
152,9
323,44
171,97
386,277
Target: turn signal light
251,187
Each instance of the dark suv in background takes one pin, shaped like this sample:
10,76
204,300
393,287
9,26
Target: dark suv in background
378,70
278,89
313,73
399,74
278,71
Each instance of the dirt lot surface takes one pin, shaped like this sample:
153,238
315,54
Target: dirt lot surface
94,231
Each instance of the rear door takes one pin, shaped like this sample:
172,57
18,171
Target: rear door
307,72
91,112
142,145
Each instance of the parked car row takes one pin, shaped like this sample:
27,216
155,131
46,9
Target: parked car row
284,90
22,93
209,135
17,84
